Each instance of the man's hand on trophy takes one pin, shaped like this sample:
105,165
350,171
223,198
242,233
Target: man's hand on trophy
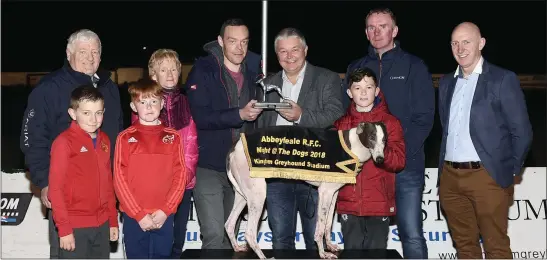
249,113
291,114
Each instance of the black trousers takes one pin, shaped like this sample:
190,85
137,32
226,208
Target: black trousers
53,236
92,242
364,232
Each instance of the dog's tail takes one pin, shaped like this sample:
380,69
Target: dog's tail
229,169
232,150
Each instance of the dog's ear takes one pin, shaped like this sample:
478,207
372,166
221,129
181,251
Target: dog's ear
368,128
360,128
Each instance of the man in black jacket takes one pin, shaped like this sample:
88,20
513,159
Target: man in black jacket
221,92
46,115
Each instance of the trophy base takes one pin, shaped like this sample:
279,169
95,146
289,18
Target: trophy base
265,105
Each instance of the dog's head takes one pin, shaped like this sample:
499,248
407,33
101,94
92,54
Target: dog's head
373,136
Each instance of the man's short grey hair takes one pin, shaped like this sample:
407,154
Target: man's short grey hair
82,35
288,33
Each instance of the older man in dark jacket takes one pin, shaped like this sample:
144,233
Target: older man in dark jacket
221,89
46,115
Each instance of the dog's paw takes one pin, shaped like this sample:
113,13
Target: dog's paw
241,248
328,255
333,247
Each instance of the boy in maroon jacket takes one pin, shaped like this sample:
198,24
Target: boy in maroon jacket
80,181
366,206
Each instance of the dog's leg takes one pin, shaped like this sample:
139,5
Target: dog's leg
239,205
330,245
325,197
255,206
240,200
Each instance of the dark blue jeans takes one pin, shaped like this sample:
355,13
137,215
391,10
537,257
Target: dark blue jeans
155,244
409,187
181,219
284,199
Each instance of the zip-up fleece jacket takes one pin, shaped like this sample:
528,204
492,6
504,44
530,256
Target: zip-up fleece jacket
46,116
373,194
80,181
215,103
188,133
408,88
149,171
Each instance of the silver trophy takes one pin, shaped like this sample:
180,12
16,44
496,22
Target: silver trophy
271,105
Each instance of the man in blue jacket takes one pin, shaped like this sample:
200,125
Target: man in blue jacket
486,136
408,89
221,90
46,115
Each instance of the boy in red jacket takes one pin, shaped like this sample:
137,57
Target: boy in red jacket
149,175
164,67
365,207
80,181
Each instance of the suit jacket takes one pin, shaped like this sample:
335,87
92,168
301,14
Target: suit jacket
320,98
499,126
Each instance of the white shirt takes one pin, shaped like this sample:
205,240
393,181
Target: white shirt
459,147
97,76
292,92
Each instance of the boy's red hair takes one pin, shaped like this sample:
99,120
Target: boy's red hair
144,88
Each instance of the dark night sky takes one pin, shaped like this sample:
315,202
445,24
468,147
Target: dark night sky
34,34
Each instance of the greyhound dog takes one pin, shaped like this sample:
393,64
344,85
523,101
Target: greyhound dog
366,141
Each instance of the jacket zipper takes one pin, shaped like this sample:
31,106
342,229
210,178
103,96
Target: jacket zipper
98,175
169,108
227,95
385,193
362,202
380,72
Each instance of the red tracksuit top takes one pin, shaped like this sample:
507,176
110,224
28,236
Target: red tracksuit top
149,172
80,181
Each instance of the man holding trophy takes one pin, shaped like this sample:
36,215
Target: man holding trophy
307,96
221,88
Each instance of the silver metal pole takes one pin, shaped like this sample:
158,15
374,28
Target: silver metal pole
264,37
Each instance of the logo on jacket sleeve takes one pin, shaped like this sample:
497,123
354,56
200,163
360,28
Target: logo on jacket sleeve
14,207
168,139
31,113
132,140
